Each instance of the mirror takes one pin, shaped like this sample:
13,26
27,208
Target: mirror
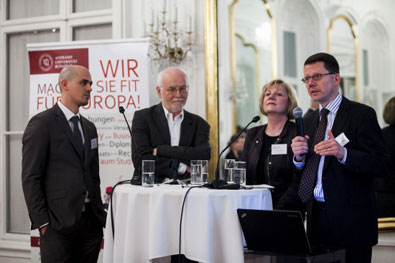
343,44
306,20
251,37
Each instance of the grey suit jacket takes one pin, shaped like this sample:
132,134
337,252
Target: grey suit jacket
150,130
55,176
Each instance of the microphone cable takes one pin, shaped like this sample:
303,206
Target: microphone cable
111,205
182,211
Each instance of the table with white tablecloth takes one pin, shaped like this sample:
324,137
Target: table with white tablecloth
147,223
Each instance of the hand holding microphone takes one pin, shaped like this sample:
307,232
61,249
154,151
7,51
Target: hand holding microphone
299,144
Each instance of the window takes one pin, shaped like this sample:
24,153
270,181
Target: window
365,67
31,8
83,5
289,54
92,32
52,23
17,115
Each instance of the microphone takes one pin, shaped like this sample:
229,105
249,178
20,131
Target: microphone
122,111
136,180
298,113
222,184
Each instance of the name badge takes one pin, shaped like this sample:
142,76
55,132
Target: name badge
279,149
342,139
94,143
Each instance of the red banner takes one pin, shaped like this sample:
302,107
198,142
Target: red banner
53,61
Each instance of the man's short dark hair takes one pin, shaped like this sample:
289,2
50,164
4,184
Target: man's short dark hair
330,62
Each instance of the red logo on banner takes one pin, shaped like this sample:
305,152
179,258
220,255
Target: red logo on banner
45,62
53,61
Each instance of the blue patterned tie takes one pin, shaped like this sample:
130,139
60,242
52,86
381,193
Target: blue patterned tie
313,160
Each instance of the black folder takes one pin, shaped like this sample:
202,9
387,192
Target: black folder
276,232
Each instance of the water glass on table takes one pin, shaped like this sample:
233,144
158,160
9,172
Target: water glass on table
204,171
196,172
228,170
240,172
148,170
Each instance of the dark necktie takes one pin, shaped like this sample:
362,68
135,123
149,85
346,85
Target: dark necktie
77,134
313,160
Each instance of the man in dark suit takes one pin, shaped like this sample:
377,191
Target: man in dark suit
60,174
337,171
169,134
166,132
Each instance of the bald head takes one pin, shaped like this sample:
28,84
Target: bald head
69,72
76,85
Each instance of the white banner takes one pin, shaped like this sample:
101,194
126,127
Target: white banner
119,71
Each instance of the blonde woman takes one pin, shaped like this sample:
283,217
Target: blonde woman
267,148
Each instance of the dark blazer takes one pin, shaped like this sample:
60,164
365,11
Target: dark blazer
348,188
150,130
280,167
385,184
55,175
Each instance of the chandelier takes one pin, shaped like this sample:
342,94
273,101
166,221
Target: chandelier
167,41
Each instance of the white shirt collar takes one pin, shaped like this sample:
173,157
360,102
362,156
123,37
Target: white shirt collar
168,114
334,105
68,113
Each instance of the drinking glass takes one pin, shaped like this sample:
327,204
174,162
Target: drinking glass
228,170
196,173
204,171
240,172
148,176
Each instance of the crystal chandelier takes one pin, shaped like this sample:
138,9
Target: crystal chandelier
167,41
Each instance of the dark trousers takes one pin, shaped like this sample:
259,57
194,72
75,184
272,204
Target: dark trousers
83,245
322,235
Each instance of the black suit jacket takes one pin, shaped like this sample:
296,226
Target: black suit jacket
348,188
150,130
280,168
55,176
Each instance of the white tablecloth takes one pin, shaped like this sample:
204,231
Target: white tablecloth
147,223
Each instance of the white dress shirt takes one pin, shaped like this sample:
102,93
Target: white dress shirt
175,132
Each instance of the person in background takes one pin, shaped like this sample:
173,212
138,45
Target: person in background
267,148
60,174
336,185
385,185
236,149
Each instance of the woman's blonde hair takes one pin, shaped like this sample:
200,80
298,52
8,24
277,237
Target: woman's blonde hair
292,102
389,111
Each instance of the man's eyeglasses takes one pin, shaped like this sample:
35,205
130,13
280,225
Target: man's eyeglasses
172,90
315,77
